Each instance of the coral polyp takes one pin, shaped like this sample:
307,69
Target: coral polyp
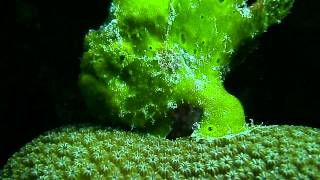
272,152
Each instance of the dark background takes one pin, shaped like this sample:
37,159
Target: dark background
277,83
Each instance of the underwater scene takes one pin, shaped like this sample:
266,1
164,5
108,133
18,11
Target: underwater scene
162,89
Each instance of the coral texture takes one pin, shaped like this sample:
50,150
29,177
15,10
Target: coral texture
152,59
269,152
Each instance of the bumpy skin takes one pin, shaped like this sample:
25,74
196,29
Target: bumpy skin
274,152
153,57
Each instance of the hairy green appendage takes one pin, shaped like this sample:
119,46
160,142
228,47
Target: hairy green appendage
154,57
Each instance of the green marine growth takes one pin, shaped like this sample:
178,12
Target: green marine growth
156,62
266,152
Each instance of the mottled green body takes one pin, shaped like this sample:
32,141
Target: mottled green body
152,57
